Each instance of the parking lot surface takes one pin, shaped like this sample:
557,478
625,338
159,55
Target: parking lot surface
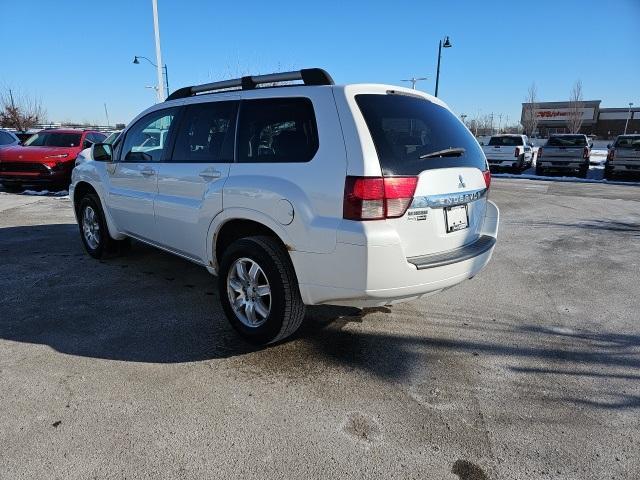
127,368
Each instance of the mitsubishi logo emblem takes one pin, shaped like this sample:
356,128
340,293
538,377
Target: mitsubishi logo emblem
461,184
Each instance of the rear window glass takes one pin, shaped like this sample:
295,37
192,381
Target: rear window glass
277,130
405,128
505,141
54,140
567,141
628,142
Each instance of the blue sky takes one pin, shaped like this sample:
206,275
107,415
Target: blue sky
77,55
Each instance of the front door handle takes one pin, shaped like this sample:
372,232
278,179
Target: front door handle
210,174
148,171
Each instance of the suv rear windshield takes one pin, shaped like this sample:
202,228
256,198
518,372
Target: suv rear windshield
628,142
405,128
567,141
53,140
505,141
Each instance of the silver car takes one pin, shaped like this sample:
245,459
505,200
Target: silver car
623,156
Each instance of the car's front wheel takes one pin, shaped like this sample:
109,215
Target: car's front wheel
259,291
93,229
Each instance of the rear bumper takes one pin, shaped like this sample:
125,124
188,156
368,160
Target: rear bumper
364,276
624,167
562,164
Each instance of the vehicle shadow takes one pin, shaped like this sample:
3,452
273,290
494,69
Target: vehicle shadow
150,306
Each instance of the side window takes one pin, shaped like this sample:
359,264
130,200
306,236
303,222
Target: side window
98,137
206,133
88,140
5,138
147,139
277,130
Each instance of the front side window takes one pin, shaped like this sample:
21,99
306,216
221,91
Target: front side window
412,134
53,139
146,140
277,130
206,133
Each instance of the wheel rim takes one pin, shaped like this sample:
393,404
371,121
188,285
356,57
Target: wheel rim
249,292
91,227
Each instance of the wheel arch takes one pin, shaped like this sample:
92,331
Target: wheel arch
83,188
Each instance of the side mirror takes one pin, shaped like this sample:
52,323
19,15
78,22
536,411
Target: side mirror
101,152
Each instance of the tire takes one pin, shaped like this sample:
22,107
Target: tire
273,316
13,187
96,239
583,171
539,170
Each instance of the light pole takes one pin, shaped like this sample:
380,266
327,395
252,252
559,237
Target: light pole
415,80
166,76
446,44
156,30
626,124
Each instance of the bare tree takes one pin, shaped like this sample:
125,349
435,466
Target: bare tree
19,111
576,105
529,117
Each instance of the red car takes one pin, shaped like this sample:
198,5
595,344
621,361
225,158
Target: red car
47,157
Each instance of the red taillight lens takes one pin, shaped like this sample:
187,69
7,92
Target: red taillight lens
585,152
539,152
611,154
517,152
375,198
487,177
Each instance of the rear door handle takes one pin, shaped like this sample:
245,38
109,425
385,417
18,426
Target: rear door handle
210,174
148,171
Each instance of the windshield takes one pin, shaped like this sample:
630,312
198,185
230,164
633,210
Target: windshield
567,141
50,139
405,128
111,138
505,141
628,142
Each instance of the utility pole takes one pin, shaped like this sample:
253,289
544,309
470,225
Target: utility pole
415,80
626,124
156,29
500,123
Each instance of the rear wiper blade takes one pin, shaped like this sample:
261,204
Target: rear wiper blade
447,152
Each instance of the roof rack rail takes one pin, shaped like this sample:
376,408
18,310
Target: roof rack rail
310,76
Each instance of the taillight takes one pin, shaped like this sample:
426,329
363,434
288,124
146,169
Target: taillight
611,154
517,152
585,152
539,152
375,198
487,177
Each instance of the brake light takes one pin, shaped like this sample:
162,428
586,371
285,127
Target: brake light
376,198
585,152
539,152
517,152
487,177
611,154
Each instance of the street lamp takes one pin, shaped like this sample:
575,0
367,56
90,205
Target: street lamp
166,75
415,80
446,44
626,124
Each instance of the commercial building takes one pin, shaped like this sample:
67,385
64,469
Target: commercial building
602,122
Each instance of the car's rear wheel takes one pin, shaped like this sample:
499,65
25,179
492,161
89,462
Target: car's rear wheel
583,171
539,170
259,290
93,229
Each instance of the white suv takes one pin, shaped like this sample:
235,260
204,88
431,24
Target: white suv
312,193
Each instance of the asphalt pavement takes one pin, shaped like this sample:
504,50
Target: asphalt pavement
126,368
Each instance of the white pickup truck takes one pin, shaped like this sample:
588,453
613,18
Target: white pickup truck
509,151
623,156
564,153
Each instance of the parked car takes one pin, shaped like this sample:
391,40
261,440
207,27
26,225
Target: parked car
623,156
509,152
84,154
47,157
8,139
296,195
24,136
564,153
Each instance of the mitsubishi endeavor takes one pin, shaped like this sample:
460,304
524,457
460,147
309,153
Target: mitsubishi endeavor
296,194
